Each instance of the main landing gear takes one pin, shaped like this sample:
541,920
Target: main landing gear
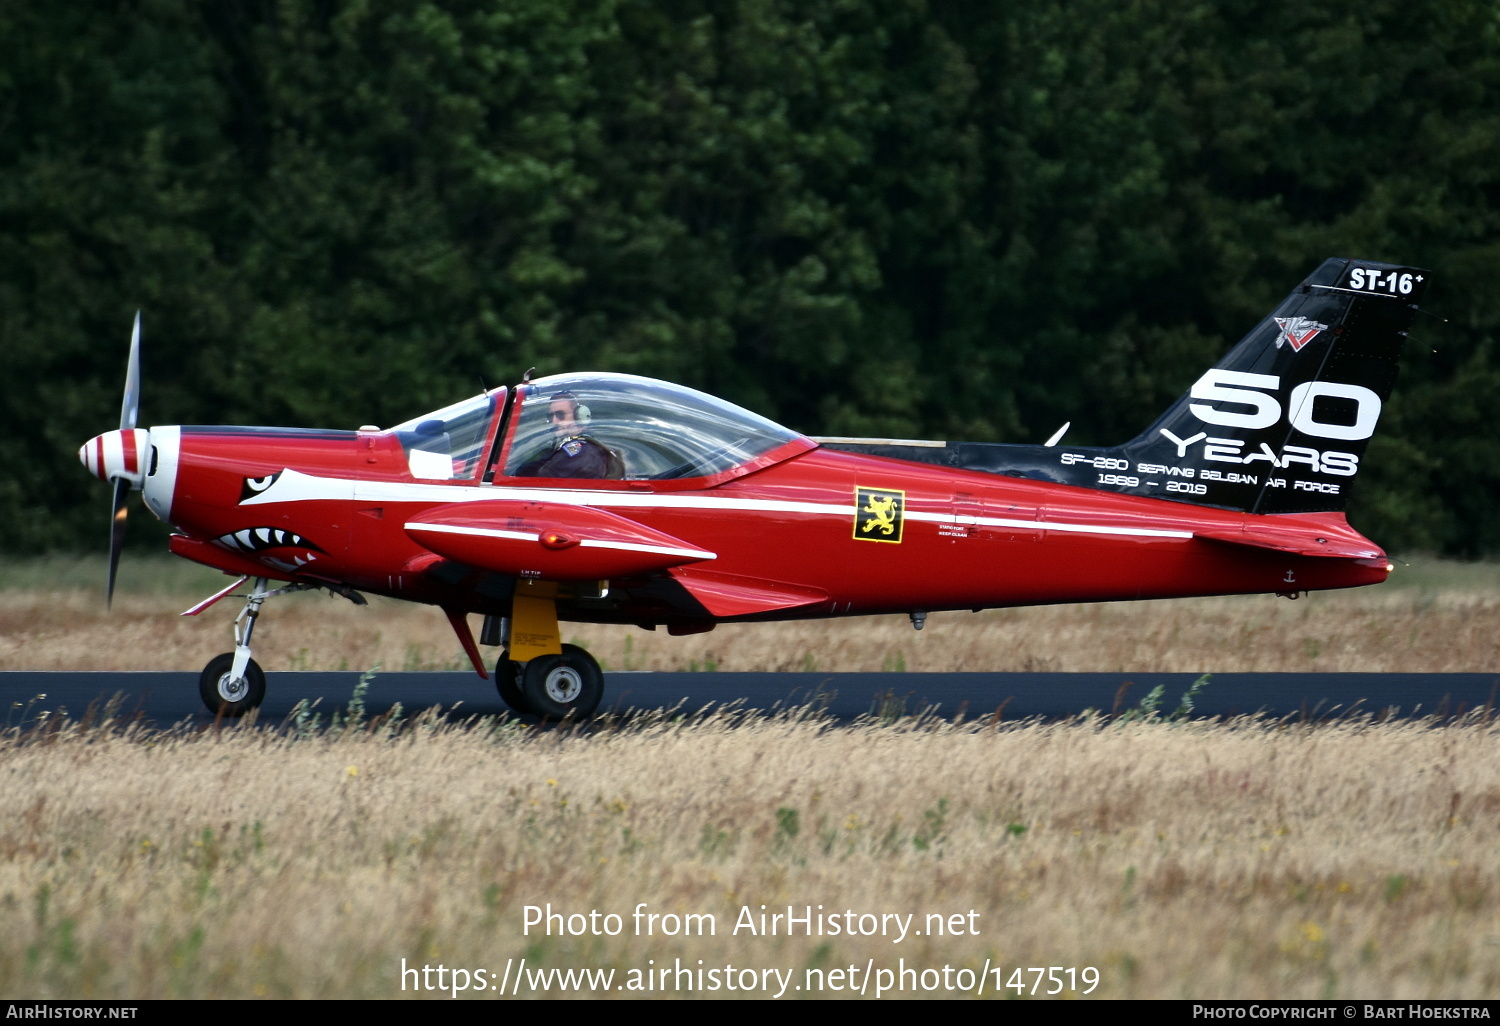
555,687
232,684
536,673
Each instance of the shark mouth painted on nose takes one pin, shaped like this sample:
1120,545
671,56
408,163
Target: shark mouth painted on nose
255,540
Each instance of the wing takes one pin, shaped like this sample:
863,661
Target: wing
728,595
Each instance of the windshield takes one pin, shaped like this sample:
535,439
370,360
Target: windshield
450,443
614,426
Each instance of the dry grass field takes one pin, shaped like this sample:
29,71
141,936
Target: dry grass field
1243,859
1176,860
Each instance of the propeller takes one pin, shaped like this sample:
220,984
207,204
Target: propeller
129,411
131,407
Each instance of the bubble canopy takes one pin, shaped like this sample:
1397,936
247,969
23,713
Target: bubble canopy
651,430
660,431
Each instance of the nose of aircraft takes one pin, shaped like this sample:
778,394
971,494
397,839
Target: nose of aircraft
116,454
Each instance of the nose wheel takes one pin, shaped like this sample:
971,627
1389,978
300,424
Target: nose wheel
232,684
230,693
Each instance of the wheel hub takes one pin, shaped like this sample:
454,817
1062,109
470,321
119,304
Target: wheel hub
563,684
233,689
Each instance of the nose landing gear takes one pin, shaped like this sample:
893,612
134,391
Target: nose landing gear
228,692
232,684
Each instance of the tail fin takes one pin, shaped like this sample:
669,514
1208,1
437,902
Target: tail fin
1278,426
1281,423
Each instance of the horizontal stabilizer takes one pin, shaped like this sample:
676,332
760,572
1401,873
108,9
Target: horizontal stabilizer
1317,535
551,541
728,595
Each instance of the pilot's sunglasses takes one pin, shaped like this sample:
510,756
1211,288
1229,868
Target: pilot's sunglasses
559,414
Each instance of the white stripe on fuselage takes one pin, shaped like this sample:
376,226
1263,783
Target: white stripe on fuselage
477,532
293,486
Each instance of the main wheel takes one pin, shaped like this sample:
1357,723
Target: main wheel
556,686
226,696
508,683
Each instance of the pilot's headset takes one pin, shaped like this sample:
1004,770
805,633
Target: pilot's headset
581,413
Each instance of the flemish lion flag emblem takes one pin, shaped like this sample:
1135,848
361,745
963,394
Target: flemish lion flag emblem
878,514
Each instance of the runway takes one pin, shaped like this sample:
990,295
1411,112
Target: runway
163,699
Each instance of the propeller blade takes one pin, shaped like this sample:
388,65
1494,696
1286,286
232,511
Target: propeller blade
132,405
130,410
116,535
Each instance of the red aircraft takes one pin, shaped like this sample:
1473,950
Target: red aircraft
609,498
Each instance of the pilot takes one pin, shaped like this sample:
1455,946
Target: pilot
573,453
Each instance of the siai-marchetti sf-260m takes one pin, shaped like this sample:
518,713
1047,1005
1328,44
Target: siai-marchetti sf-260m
610,498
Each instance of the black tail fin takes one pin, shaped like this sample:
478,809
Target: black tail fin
1281,424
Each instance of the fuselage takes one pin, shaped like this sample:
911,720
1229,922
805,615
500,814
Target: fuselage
868,534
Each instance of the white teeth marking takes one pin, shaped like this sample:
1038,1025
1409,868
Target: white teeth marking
258,539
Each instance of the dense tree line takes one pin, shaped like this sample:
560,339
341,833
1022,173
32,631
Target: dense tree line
900,217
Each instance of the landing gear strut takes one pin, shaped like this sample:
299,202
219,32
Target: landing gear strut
552,686
232,684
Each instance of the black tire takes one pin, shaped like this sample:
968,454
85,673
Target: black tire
226,698
508,683
563,686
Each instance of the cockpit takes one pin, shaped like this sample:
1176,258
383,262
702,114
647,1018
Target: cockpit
601,426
